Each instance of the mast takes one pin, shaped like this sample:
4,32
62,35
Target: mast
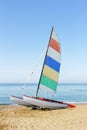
44,62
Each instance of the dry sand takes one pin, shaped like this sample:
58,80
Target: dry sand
24,118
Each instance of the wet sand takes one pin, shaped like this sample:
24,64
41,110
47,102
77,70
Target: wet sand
24,118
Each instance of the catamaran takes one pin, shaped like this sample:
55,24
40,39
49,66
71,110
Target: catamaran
48,80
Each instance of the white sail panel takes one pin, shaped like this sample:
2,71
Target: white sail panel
54,54
54,36
45,88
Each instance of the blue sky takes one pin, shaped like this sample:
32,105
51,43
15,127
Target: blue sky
25,27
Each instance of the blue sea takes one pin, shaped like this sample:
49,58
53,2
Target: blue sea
71,93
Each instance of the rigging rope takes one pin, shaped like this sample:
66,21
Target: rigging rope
33,71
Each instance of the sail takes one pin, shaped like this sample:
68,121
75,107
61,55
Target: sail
51,67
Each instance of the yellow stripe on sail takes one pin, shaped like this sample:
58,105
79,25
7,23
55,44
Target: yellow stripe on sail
50,73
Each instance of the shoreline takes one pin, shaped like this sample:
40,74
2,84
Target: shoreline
24,118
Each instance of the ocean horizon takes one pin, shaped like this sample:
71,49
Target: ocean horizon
67,92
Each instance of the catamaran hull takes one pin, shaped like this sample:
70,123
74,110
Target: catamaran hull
43,103
19,101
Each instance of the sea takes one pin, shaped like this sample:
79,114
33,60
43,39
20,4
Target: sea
69,92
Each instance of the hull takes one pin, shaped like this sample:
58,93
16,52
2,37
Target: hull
44,103
19,101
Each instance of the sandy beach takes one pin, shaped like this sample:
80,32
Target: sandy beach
24,118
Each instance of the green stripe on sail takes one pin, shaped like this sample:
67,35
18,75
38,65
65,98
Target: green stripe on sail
48,82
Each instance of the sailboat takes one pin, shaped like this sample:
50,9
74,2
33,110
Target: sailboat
48,80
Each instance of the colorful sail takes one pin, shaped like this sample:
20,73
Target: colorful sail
51,66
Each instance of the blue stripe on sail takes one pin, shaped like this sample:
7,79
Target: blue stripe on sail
52,63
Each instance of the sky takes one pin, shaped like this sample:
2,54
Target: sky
25,27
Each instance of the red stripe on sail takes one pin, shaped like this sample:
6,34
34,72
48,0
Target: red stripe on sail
55,45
